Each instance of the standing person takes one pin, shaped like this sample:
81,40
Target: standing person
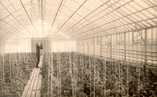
38,48
37,54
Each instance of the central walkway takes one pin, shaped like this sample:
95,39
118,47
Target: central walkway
33,87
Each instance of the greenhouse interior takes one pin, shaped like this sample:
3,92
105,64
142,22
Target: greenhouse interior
78,48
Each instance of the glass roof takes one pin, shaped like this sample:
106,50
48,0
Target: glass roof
75,18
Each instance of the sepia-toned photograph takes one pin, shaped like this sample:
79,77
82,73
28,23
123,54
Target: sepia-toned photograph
78,48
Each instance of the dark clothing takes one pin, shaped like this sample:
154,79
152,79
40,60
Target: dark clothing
38,47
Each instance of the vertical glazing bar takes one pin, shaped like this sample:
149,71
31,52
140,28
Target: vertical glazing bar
59,67
3,80
101,44
145,46
71,73
94,63
125,47
47,58
51,59
90,66
120,57
125,55
151,37
139,79
105,79
138,61
11,71
57,63
74,74
111,47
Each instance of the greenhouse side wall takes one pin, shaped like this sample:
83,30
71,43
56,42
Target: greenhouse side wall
138,46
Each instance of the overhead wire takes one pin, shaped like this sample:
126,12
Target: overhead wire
27,14
11,14
105,30
101,12
129,18
94,15
88,14
16,30
58,9
6,16
84,2
121,18
149,3
76,14
139,17
10,25
107,14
